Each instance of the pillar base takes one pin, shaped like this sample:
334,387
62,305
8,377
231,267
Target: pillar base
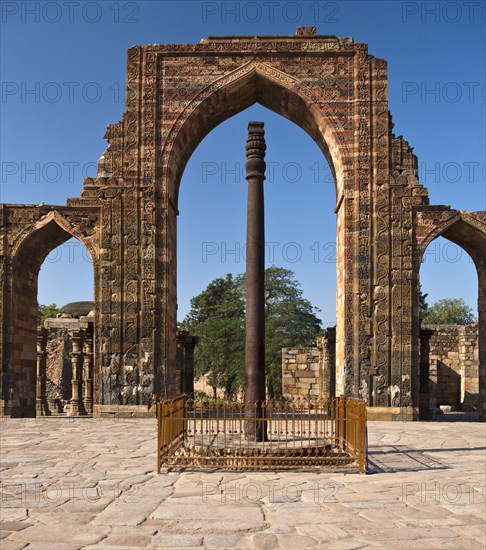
55,405
123,411
403,414
76,408
42,407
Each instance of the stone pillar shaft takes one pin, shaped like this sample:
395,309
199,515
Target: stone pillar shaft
76,407
42,407
88,374
425,383
482,341
255,289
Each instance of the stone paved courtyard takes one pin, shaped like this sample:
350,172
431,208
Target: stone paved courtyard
82,483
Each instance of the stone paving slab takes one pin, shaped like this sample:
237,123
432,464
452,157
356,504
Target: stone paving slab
91,484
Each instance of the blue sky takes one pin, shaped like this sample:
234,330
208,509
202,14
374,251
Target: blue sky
63,74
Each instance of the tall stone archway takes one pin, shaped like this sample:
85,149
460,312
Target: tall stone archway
176,93
253,82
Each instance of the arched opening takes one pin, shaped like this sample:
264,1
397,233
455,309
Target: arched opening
278,93
66,301
300,224
282,95
452,357
27,350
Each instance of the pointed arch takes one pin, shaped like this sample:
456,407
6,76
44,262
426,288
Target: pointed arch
48,233
463,229
29,251
254,82
468,232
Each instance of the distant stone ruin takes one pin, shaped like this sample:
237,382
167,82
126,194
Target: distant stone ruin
449,369
65,361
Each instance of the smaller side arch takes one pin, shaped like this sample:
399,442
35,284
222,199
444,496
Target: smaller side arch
50,229
25,257
467,230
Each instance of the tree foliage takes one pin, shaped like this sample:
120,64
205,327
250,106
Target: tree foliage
449,311
423,305
290,321
46,312
217,316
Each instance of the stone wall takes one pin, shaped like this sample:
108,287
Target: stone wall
65,365
59,367
202,385
449,368
451,356
310,371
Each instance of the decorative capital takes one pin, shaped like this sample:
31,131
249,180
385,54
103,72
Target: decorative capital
255,151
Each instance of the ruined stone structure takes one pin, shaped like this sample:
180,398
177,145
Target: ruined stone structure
65,374
310,371
127,218
449,369
58,368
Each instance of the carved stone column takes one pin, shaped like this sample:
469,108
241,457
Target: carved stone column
482,340
88,373
255,290
42,407
326,345
185,362
331,354
433,381
188,380
427,384
76,407
180,361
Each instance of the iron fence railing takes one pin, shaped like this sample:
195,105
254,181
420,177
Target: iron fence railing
299,433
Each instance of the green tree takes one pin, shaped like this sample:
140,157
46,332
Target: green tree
46,311
221,299
217,316
423,305
449,311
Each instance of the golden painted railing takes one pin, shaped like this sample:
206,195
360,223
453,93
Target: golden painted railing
171,426
299,433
